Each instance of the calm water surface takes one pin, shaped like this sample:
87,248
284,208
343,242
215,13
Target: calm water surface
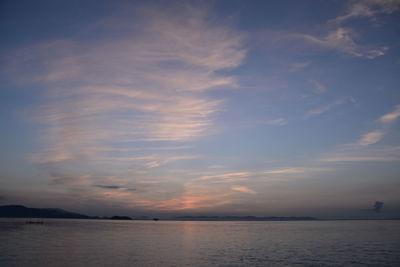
175,243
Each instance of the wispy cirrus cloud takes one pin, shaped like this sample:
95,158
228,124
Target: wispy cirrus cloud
153,160
277,121
195,196
364,154
368,9
271,122
323,109
243,189
286,171
243,176
327,37
201,193
298,66
343,40
218,189
319,88
227,177
364,149
145,87
371,137
384,123
389,118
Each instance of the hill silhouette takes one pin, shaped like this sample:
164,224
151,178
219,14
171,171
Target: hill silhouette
19,211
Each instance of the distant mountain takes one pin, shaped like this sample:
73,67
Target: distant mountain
243,218
19,211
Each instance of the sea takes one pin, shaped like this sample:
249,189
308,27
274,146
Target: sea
69,242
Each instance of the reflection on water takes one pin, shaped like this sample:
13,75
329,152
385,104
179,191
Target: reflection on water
173,243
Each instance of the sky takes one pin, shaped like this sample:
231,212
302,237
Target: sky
264,108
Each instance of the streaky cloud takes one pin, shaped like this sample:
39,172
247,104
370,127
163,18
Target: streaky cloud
371,137
286,171
342,39
145,87
319,88
243,189
368,9
390,117
364,154
367,148
277,121
323,109
385,122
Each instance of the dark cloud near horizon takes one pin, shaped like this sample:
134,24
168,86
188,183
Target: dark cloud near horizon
114,187
378,206
108,186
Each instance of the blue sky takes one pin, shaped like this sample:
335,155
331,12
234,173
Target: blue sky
201,107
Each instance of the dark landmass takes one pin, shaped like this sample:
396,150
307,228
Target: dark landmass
243,218
19,211
120,218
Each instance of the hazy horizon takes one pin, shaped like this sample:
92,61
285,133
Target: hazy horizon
169,108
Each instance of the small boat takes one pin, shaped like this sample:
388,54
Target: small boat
156,219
